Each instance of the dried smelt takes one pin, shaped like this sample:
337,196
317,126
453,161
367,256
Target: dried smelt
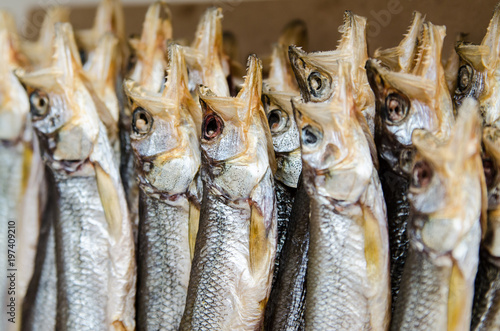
447,194
279,88
235,248
165,142
95,255
486,309
405,102
348,283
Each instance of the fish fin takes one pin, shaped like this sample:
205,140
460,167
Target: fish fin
194,219
376,267
110,200
458,299
258,242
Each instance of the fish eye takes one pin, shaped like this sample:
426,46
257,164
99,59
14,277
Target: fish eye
464,77
396,108
142,121
315,81
421,175
490,171
39,103
277,120
311,136
212,126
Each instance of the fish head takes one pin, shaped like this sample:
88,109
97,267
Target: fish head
165,131
315,78
14,105
285,135
235,140
336,156
402,57
206,55
62,110
150,49
479,73
409,101
447,190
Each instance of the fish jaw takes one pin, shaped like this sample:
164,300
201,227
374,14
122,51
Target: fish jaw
151,48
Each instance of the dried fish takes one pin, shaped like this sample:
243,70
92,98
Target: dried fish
94,245
447,194
405,102
165,140
348,283
236,243
485,313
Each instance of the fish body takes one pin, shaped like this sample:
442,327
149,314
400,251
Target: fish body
317,72
486,296
236,243
348,284
447,195
93,237
165,140
287,302
279,88
405,102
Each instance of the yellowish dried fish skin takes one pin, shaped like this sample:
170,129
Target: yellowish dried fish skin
151,49
447,194
39,52
205,57
316,72
165,140
402,57
96,271
478,72
234,254
348,282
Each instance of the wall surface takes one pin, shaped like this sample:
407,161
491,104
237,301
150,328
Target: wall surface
257,24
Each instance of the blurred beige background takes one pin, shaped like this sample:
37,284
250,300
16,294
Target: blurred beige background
257,24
